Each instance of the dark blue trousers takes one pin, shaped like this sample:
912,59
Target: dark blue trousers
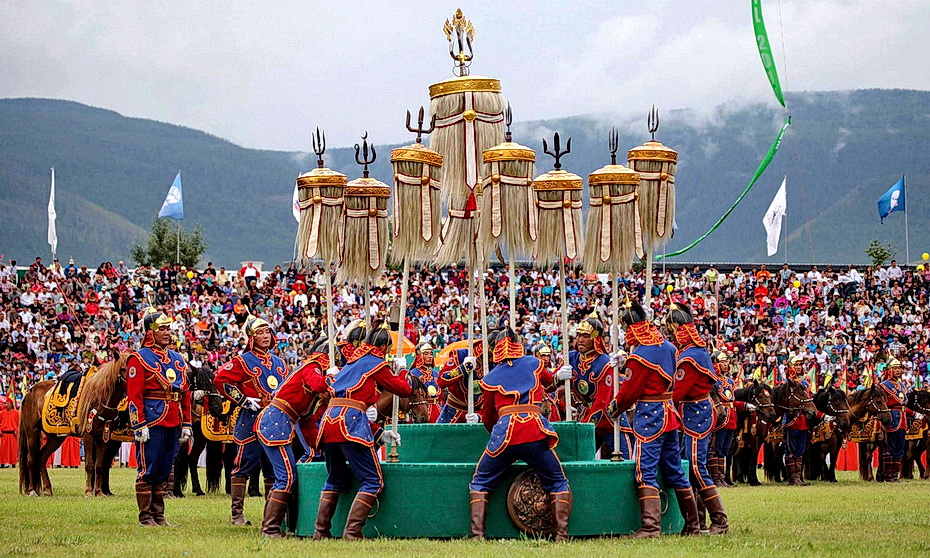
538,455
895,442
664,452
347,459
155,458
723,439
608,439
795,443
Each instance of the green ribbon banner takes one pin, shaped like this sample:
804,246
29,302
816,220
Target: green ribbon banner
768,62
762,166
765,50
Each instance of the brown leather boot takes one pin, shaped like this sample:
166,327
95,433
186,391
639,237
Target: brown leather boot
701,510
358,515
688,508
479,511
237,488
892,468
170,483
158,504
268,487
650,508
275,508
324,515
144,501
561,510
796,472
719,524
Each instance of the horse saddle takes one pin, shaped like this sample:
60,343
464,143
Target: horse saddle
822,432
219,429
916,429
60,408
776,434
864,431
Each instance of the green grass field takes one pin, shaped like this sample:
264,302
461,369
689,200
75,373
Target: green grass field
845,519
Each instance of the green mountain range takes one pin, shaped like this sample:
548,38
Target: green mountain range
843,150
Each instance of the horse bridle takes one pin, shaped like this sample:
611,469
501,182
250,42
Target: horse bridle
833,410
754,399
867,414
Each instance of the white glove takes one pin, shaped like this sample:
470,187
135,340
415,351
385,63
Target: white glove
142,435
617,360
472,418
199,394
391,438
252,404
750,407
332,371
400,363
372,414
469,364
829,418
186,434
918,416
564,373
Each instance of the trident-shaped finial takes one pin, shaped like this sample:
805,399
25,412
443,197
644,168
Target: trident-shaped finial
364,160
653,121
420,130
558,153
508,120
464,33
319,146
613,142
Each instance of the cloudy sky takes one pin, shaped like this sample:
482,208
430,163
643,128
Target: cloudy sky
262,74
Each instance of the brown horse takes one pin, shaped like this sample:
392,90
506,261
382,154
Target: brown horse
752,428
413,409
833,402
790,397
97,417
865,406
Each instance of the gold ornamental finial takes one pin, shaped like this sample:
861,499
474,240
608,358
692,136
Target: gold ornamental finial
460,49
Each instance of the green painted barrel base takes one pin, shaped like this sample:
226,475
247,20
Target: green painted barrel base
431,500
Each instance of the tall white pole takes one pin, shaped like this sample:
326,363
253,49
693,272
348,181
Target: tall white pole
401,318
513,289
907,238
614,337
330,326
179,242
565,347
470,388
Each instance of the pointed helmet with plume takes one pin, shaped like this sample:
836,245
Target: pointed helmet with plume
594,328
152,320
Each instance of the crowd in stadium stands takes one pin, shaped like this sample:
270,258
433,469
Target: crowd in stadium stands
844,322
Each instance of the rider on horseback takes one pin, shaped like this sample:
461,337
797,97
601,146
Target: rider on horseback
249,380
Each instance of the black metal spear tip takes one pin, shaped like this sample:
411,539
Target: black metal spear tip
613,142
364,160
508,120
557,153
319,146
420,130
653,121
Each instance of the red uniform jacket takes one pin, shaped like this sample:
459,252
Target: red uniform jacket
297,396
157,389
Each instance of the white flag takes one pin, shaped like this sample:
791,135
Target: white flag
52,234
295,205
773,218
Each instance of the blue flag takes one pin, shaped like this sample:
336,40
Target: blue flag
892,200
174,201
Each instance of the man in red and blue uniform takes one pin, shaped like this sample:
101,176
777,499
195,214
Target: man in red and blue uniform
694,380
159,401
513,391
290,409
895,433
796,427
249,380
348,439
592,385
423,370
454,379
651,371
723,432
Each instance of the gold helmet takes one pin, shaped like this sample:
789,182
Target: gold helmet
591,326
425,349
720,357
894,363
153,319
795,361
253,324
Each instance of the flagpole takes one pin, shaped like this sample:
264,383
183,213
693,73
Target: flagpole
179,242
907,239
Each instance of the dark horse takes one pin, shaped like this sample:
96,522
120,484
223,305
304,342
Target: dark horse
220,455
96,417
753,427
919,402
789,397
413,409
865,406
829,401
